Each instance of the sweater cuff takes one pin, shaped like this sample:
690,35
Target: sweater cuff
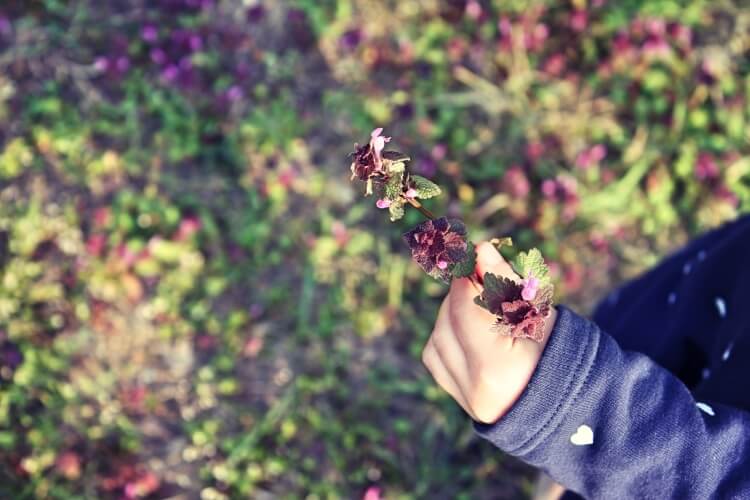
553,388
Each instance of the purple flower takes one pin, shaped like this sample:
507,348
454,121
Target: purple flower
158,56
10,356
255,13
5,26
350,39
149,33
706,167
234,93
383,203
530,288
195,42
122,64
101,64
436,244
517,315
170,73
427,167
368,159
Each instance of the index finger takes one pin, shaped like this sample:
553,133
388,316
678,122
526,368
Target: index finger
471,323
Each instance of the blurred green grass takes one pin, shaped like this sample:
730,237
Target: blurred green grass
195,302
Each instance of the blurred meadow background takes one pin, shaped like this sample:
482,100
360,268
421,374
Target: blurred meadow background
195,302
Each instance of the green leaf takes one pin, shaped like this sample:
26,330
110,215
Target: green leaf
425,188
466,267
397,211
394,167
395,156
394,187
497,290
532,262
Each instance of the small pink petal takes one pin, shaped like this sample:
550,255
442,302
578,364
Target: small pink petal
442,264
411,193
383,203
598,152
375,133
530,288
378,143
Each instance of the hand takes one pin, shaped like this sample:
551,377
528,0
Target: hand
485,372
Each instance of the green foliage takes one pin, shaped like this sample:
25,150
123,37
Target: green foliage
396,210
394,187
532,263
425,188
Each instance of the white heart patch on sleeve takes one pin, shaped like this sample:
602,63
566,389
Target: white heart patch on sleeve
583,436
705,408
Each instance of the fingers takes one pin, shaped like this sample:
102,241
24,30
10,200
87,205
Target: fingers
448,347
489,260
442,376
445,358
471,324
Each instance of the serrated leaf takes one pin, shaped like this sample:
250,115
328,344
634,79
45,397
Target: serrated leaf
425,188
466,267
532,263
396,210
498,290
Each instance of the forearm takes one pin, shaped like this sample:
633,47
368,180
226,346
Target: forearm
649,439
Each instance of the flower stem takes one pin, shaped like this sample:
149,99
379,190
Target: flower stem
414,203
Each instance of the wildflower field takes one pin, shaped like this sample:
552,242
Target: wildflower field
196,302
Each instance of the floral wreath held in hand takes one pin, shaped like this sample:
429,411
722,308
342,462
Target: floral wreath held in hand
441,248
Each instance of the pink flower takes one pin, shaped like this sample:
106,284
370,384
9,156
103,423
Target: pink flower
555,64
706,167
383,203
372,493
592,156
656,48
579,20
473,9
530,288
411,193
101,64
442,264
549,188
188,227
377,141
516,183
439,151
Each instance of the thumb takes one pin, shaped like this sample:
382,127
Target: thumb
489,260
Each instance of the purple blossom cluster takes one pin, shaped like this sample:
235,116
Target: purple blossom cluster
170,50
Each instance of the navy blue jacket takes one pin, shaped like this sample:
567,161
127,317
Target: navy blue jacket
651,399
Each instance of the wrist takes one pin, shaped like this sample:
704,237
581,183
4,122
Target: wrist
526,355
